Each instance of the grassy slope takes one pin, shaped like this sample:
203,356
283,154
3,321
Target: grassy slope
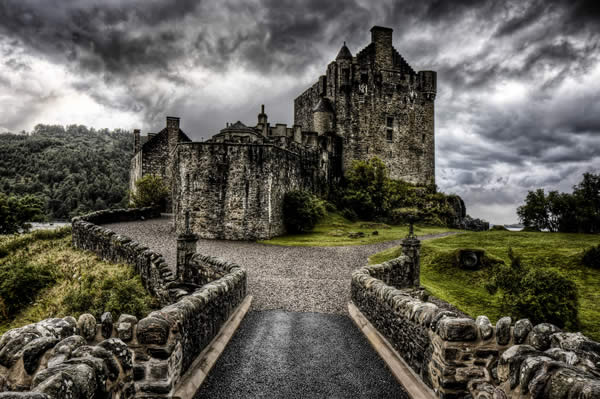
333,231
68,264
465,289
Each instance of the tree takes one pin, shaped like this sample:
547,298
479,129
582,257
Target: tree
367,188
587,196
17,212
150,190
534,213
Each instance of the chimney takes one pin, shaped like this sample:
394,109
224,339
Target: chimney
262,117
382,39
136,141
173,132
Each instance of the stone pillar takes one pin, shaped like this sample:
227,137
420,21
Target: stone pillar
411,247
186,248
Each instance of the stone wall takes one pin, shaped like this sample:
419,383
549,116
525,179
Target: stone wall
235,191
460,357
154,271
68,358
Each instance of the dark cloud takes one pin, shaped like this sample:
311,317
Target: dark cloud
512,111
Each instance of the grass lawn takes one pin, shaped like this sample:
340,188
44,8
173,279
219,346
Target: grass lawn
42,276
333,230
465,289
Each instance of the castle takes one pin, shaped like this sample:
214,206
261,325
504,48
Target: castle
369,105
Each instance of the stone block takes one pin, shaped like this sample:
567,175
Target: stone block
153,330
521,330
503,331
486,330
457,329
87,326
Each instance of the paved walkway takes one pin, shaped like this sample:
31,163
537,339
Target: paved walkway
277,354
299,279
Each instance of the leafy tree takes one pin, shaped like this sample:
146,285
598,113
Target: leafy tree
69,168
17,212
576,212
536,293
150,190
301,211
534,213
367,188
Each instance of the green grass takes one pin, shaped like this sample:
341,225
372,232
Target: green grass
333,230
465,289
79,283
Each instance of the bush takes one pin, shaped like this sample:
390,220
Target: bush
349,214
591,257
20,282
536,293
118,293
498,227
150,190
301,211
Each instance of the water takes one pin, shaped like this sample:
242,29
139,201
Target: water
48,225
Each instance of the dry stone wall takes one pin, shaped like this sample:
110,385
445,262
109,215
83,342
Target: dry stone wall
88,358
460,357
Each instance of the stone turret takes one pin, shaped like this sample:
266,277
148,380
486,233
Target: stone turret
323,116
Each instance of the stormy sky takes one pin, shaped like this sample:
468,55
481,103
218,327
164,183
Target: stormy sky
518,103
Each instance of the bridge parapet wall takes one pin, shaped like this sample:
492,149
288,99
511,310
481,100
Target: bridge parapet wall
459,357
69,358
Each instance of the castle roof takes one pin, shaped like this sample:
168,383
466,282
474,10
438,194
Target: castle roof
324,105
238,127
344,53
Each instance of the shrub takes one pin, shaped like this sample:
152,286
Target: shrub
301,211
118,293
536,293
150,190
498,227
591,257
20,282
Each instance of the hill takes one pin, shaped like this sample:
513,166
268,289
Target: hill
73,169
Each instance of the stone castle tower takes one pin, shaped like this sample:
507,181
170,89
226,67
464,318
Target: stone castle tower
379,106
233,184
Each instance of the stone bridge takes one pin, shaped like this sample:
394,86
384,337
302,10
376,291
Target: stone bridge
297,339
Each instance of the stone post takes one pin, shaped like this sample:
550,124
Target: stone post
186,248
411,247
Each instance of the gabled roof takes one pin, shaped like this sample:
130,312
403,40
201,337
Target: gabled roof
150,139
238,127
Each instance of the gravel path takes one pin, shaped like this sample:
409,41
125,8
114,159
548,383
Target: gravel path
277,354
297,279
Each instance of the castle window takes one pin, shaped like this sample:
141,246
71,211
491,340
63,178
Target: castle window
390,135
389,123
423,138
364,78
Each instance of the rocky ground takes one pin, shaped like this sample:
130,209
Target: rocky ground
300,279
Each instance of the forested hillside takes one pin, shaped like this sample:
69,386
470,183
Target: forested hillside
73,169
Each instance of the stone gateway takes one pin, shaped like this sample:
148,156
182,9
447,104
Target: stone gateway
369,105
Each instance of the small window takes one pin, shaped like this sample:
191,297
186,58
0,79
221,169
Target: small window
390,135
364,78
423,138
390,122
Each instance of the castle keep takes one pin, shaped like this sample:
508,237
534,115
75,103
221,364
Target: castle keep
369,105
